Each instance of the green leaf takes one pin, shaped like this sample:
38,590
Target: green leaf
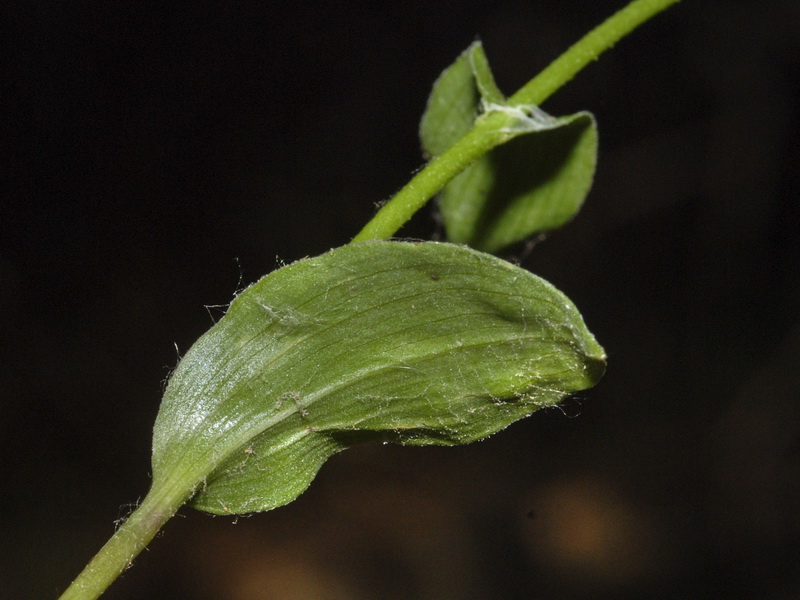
414,343
535,182
452,106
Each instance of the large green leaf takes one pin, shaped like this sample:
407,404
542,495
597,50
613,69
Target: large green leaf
535,182
415,343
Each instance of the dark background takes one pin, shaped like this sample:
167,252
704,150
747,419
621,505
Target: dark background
156,158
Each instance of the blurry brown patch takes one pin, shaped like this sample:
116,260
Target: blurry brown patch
588,533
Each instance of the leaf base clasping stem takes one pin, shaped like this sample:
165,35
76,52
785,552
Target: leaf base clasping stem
483,137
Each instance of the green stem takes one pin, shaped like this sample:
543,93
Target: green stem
588,49
484,135
397,211
128,541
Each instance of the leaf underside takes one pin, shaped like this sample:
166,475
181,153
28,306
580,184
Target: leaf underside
414,343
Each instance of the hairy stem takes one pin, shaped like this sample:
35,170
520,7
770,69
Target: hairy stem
588,49
484,135
413,196
127,542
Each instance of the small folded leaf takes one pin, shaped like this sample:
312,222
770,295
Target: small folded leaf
382,341
535,182
452,106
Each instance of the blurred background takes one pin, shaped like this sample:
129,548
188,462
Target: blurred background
158,157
